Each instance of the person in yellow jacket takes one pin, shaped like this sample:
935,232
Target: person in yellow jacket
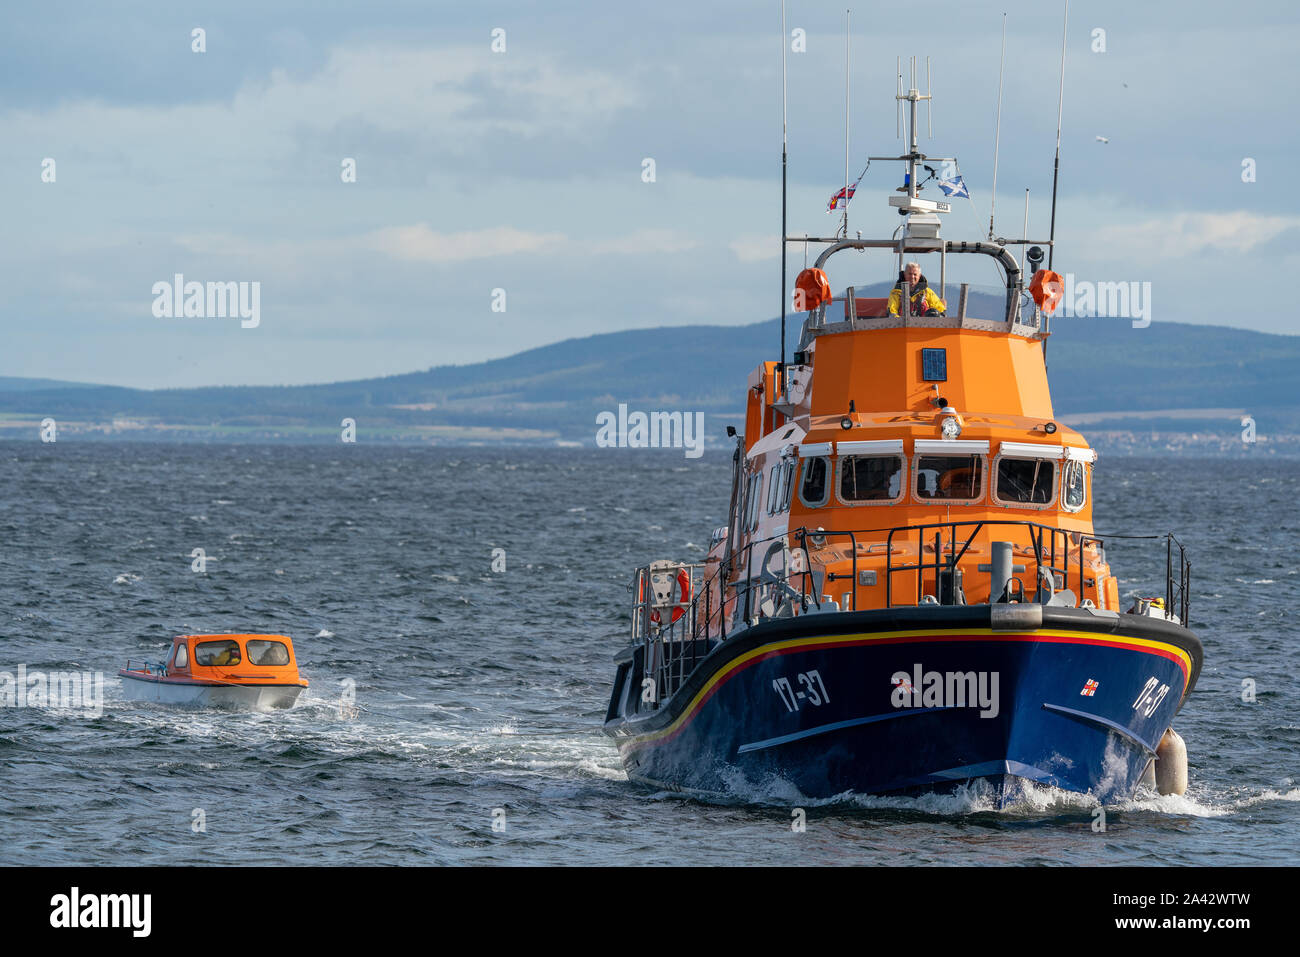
924,300
229,655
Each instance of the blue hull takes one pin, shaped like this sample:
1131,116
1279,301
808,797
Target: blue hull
1079,703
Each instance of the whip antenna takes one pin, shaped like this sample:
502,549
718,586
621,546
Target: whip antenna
1056,167
898,100
997,136
929,108
784,164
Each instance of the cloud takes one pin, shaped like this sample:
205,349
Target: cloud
419,243
755,248
428,102
643,241
1186,234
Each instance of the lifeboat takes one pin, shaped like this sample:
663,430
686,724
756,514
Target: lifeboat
909,595
252,672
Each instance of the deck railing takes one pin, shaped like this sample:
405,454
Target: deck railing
150,667
672,647
1178,578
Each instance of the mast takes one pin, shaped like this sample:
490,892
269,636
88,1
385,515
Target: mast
913,95
847,34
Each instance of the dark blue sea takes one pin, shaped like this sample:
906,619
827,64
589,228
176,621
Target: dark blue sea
479,694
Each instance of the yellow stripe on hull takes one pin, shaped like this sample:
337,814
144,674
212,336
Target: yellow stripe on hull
1087,637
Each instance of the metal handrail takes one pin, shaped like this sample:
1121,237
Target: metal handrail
672,649
158,667
1036,534
1177,598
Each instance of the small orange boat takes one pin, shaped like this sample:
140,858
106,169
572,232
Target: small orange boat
255,672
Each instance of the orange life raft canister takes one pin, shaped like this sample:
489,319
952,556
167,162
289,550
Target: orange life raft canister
811,289
1047,288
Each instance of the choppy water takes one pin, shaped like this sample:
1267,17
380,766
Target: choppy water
478,690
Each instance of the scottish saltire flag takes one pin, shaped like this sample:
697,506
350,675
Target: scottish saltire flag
954,187
835,200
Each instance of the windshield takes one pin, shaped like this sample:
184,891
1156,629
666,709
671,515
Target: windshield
217,653
262,652
951,477
877,276
1026,481
865,478
814,488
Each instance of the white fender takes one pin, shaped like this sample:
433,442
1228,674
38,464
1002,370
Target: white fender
1171,764
1148,779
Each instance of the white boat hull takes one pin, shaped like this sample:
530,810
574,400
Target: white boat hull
192,694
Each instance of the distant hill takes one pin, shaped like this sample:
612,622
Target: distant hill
12,384
553,393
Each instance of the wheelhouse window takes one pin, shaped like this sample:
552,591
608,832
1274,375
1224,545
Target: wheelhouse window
815,487
746,507
217,653
871,478
755,501
773,489
1027,481
1074,494
182,658
951,478
787,484
742,505
267,653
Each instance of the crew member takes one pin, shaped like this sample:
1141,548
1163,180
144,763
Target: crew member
924,301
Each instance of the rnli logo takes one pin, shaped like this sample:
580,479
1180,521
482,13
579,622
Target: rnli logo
1090,688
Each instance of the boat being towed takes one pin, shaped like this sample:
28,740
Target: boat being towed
236,671
909,595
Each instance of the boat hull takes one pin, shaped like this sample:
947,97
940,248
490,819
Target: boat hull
187,693
1079,702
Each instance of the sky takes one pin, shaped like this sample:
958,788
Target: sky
501,199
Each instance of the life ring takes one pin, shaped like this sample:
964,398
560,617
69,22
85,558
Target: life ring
679,607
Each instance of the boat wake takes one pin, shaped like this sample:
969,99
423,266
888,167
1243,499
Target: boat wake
1028,801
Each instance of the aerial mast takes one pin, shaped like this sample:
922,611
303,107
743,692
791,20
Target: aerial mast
997,134
847,35
1056,167
784,166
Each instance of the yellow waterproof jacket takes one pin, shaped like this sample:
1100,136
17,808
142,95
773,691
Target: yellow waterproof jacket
922,302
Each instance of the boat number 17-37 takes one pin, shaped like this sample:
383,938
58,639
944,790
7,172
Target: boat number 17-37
812,690
1150,697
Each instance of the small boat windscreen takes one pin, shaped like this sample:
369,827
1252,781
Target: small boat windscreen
210,653
265,653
